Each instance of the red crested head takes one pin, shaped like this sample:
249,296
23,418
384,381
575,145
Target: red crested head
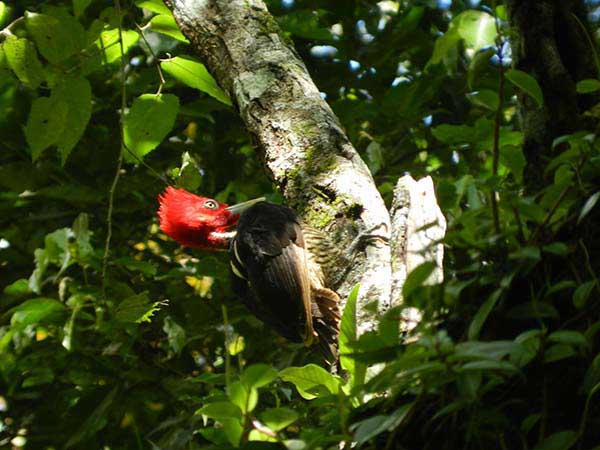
195,221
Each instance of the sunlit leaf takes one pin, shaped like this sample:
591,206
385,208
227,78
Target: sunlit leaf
56,37
36,310
23,60
165,24
527,84
311,381
193,73
156,6
148,122
258,375
588,206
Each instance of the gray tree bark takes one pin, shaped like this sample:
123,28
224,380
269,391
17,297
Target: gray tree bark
298,138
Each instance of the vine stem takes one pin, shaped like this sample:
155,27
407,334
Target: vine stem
497,123
113,187
227,340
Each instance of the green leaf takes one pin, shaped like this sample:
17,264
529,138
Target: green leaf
558,352
165,24
588,206
77,94
527,84
563,440
36,310
417,277
568,337
79,6
311,381
41,263
482,314
503,366
193,74
136,309
582,293
156,6
23,60
38,376
108,46
532,253
512,157
4,13
373,426
476,28
146,267
453,134
502,13
233,431
56,37
175,334
45,124
221,410
278,418
557,248
189,177
258,375
348,336
19,287
529,422
148,122
486,98
588,86
242,395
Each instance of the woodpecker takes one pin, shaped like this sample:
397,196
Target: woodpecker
277,262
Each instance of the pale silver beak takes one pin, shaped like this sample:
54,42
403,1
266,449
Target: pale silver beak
239,208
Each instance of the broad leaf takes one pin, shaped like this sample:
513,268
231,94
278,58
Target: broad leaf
77,94
279,418
23,60
165,24
527,84
148,122
56,37
193,74
311,381
36,310
258,375
46,123
588,86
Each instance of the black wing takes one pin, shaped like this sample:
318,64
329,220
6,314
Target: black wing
270,271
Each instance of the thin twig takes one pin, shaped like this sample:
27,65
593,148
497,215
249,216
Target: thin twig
497,123
113,187
227,358
7,30
158,69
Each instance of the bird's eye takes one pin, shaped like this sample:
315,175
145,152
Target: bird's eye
210,204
